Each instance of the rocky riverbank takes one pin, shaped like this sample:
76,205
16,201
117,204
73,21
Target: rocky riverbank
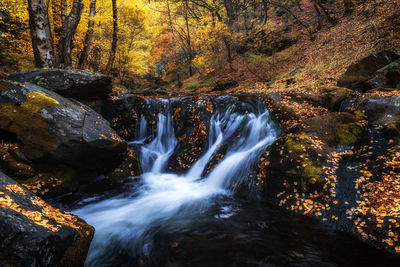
63,132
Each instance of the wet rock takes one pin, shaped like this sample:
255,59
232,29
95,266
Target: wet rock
121,113
32,233
280,112
341,168
56,131
367,73
129,167
380,109
77,84
336,128
151,92
294,163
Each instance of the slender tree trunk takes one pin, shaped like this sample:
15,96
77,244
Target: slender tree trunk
114,37
319,18
178,77
265,11
88,37
228,4
189,43
67,37
42,39
59,12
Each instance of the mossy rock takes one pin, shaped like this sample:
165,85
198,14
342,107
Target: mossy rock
293,163
52,128
337,128
350,133
27,117
392,130
54,131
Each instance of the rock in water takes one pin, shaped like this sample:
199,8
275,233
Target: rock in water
33,233
77,84
53,129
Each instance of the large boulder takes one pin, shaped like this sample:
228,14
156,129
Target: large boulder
341,168
382,109
77,84
56,133
386,77
362,74
121,113
336,128
33,233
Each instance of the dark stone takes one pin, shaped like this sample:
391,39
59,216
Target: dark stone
279,111
358,74
77,84
61,241
386,77
55,130
121,114
336,128
380,110
302,171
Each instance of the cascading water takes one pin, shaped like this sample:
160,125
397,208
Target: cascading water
195,218
172,200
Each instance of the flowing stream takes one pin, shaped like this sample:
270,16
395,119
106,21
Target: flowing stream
173,214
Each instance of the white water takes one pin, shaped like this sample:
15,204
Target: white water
168,198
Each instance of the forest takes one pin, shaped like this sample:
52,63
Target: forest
175,40
199,132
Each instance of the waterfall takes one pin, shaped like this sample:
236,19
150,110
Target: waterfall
170,200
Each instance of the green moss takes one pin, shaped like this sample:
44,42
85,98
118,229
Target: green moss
292,145
303,135
27,122
312,172
350,133
309,175
199,84
359,115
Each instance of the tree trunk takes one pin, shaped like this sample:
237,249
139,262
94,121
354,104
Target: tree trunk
319,18
178,76
189,43
114,37
88,37
265,11
68,33
59,12
42,39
